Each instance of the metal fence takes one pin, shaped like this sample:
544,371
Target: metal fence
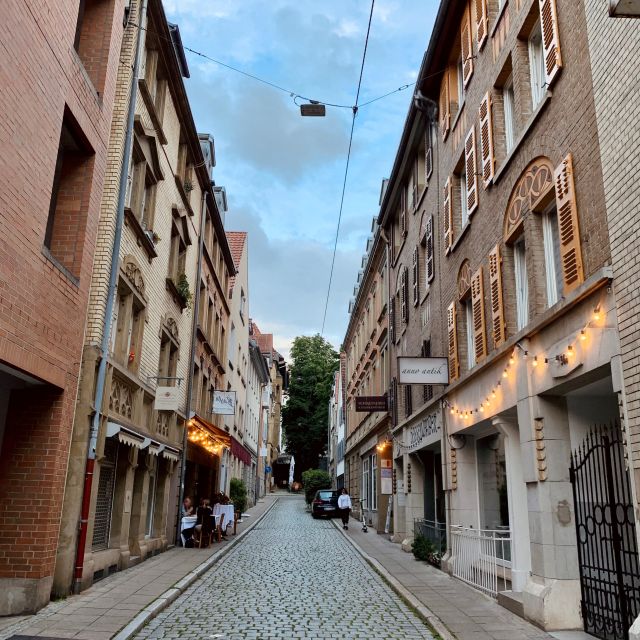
435,532
482,557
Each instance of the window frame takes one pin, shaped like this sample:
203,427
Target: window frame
536,64
552,259
521,282
509,110
470,339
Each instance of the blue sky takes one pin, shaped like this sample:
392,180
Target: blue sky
283,173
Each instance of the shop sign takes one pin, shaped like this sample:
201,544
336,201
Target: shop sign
426,432
386,477
423,370
224,403
367,404
166,399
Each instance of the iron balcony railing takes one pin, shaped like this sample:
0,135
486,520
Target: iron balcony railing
434,531
482,557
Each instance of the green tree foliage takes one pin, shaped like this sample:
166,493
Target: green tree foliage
305,416
238,494
314,479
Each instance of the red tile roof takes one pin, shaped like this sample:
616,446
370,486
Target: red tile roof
237,241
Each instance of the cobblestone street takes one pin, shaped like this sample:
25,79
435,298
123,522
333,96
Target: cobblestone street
293,577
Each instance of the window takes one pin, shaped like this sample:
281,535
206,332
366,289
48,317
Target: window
140,196
509,113
536,64
464,198
468,317
178,255
128,321
151,497
408,401
522,287
365,483
553,267
92,39
373,485
64,235
243,304
154,80
427,389
168,363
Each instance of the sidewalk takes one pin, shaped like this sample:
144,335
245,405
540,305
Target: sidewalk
465,612
109,605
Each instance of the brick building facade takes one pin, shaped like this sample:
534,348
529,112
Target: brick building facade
500,261
366,360
57,99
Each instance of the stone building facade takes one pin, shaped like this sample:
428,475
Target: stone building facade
168,198
500,262
56,107
366,357
242,456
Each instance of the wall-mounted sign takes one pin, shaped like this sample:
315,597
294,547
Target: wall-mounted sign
166,399
263,452
423,370
367,404
426,432
224,403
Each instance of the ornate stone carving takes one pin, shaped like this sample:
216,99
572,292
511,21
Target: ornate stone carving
172,328
541,450
464,279
162,425
132,271
453,457
121,399
536,179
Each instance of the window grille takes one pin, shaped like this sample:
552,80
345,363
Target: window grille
104,499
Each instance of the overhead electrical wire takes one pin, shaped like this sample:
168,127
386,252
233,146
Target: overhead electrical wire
346,169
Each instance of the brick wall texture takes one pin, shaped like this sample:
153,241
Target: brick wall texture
42,309
613,47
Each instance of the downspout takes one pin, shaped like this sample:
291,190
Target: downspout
260,421
106,333
192,355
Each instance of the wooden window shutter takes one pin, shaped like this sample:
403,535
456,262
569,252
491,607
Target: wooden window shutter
393,401
428,159
467,49
479,324
404,295
416,277
486,140
430,271
454,363
550,40
403,210
470,167
445,106
448,215
481,23
570,253
498,325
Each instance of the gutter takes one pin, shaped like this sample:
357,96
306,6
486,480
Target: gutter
111,294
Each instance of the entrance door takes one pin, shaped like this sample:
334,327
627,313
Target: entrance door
607,551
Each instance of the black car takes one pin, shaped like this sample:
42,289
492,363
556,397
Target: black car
325,503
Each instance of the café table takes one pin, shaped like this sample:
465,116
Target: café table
227,510
187,522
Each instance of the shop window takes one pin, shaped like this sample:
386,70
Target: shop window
64,235
508,102
536,65
521,282
365,483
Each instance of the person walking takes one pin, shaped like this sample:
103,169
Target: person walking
344,504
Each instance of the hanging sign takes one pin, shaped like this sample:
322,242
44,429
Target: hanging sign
224,403
166,399
367,404
423,370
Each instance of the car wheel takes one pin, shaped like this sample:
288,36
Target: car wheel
314,516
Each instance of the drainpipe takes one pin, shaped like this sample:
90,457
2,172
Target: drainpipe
259,467
192,355
106,332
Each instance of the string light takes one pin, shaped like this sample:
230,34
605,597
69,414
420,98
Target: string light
596,313
535,361
583,335
504,373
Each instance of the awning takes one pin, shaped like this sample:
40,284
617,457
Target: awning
215,433
124,435
153,447
170,453
240,452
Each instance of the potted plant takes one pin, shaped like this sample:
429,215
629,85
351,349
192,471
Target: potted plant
183,289
238,495
188,185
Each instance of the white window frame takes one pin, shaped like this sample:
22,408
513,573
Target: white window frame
365,483
374,473
522,284
464,197
551,241
536,65
460,74
508,100
471,351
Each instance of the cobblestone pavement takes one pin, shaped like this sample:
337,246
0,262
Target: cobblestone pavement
292,577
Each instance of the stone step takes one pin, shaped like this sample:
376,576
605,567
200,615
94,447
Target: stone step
512,601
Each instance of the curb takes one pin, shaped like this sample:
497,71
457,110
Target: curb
171,594
421,610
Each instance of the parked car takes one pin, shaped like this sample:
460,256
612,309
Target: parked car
325,503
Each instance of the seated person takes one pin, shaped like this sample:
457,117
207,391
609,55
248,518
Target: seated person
187,507
204,515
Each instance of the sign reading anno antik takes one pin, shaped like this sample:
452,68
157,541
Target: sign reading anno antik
423,370
426,432
224,403
368,404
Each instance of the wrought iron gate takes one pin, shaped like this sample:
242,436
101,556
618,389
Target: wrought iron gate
605,530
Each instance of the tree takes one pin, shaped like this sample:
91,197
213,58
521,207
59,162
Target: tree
305,416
